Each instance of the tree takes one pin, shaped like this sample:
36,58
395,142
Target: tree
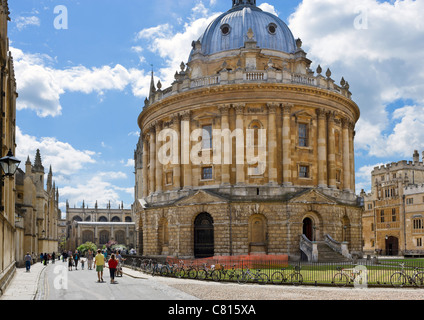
87,246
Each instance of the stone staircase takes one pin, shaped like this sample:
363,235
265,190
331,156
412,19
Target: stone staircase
326,254
326,251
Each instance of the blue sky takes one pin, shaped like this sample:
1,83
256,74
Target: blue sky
81,89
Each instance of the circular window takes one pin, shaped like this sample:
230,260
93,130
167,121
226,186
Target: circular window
225,29
272,28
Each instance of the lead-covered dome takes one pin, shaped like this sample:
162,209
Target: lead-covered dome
229,30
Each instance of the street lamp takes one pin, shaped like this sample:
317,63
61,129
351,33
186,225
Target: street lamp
9,164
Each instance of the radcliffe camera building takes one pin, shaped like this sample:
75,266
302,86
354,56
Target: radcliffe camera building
247,74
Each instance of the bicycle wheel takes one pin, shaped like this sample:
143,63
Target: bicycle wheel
419,279
164,271
201,274
296,278
216,275
192,273
340,280
262,278
179,273
244,278
398,279
278,278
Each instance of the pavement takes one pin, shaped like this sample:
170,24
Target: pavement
25,285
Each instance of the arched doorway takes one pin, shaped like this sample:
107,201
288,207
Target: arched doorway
203,236
308,229
392,246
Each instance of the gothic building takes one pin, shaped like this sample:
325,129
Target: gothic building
249,151
393,219
99,226
8,95
37,205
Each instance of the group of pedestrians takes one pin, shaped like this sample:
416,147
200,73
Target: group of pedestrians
31,259
114,263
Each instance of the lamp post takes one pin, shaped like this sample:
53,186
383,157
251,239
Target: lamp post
9,165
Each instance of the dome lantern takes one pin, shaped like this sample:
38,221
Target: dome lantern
244,3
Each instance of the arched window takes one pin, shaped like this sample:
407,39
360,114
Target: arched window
128,219
104,237
116,219
102,219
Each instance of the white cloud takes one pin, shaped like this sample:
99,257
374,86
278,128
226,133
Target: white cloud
376,45
268,8
175,46
40,85
63,157
23,22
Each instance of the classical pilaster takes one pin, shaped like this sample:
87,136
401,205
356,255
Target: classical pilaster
272,144
176,167
225,151
287,174
352,155
185,149
152,156
240,158
346,154
322,148
159,165
331,150
145,182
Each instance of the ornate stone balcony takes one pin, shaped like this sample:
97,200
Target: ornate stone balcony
183,83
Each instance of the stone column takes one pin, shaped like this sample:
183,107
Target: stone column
240,150
152,156
331,151
176,168
346,154
287,174
159,166
272,144
225,125
145,186
322,148
352,155
185,149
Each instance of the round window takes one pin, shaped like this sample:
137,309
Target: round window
225,29
272,28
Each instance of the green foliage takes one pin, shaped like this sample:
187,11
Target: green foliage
87,246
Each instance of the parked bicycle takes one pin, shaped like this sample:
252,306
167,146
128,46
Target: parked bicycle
171,270
279,277
257,277
296,277
189,271
205,273
226,274
345,276
401,278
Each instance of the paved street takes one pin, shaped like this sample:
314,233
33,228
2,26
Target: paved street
45,283
57,283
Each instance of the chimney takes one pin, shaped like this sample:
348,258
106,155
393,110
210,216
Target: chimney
416,157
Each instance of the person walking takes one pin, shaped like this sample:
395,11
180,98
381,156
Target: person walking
46,257
28,259
34,258
53,257
113,263
76,259
89,259
70,262
99,262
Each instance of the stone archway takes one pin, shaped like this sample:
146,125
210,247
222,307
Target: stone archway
204,236
308,228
